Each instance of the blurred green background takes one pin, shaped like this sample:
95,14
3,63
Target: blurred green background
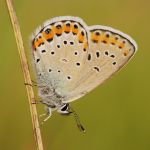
116,115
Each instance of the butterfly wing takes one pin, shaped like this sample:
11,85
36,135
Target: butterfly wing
109,50
72,58
60,51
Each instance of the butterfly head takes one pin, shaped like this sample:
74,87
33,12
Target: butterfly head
64,109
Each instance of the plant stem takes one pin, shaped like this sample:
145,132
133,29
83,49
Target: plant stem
26,73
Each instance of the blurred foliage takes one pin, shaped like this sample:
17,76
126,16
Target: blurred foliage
116,115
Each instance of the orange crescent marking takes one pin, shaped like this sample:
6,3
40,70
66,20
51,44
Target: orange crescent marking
75,30
66,28
58,31
121,45
81,37
48,36
95,37
126,52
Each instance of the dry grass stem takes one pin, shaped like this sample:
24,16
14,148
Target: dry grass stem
26,73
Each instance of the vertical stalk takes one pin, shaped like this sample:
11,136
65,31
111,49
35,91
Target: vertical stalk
26,73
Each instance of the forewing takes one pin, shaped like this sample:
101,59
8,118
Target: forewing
60,50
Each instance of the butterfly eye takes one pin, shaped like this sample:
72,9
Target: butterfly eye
47,31
65,107
64,110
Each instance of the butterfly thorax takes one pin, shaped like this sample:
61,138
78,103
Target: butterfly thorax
50,97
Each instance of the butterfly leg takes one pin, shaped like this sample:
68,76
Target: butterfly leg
33,83
36,102
43,115
49,113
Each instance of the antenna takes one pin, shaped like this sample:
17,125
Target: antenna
77,119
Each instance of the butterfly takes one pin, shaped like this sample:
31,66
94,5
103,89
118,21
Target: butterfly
71,59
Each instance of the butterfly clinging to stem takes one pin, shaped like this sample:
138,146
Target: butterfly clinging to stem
71,59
